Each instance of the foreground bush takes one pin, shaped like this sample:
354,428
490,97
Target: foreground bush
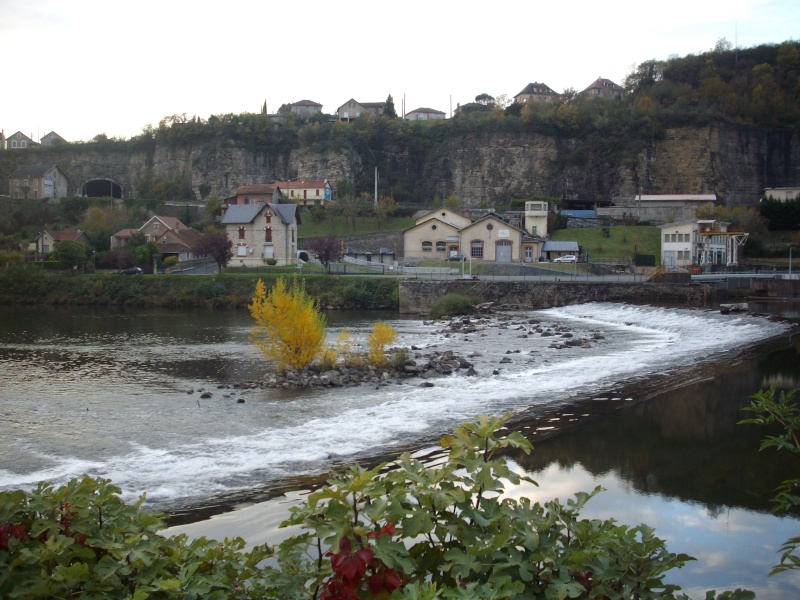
409,531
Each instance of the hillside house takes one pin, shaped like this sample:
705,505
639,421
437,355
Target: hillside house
604,88
48,240
253,194
52,139
352,109
536,92
262,231
37,181
19,140
305,108
170,234
306,193
425,114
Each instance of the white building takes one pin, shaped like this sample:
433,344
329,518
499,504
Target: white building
700,243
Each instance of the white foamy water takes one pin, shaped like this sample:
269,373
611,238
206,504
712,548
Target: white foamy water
116,405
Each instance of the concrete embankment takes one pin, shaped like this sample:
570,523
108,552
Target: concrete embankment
417,297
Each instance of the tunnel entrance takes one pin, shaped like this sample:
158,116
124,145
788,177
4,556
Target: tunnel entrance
102,188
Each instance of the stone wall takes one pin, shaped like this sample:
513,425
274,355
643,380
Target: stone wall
416,297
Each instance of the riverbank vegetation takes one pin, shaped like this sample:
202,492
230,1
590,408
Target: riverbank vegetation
25,283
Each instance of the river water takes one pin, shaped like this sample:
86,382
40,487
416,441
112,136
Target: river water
648,411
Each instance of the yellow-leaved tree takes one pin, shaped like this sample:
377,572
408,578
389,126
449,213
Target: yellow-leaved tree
380,337
290,328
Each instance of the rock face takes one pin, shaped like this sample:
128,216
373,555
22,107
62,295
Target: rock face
484,167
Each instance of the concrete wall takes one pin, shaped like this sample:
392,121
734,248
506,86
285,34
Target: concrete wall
416,297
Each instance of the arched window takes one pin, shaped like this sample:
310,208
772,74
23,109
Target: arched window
441,246
427,246
241,233
476,249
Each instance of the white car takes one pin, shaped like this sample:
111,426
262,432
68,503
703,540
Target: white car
567,258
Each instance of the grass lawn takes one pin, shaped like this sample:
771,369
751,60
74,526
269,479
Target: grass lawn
335,224
619,244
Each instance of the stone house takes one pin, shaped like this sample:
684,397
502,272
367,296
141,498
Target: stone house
261,231
37,181
604,88
47,241
425,114
305,108
536,92
353,109
443,233
306,193
252,194
19,140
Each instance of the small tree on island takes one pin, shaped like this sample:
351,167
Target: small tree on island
289,327
216,245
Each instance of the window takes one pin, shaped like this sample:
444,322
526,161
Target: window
317,191
241,250
269,217
440,246
476,249
16,183
268,234
36,183
13,143
666,238
241,233
427,246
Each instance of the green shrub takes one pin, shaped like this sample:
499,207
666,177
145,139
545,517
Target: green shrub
210,288
451,305
271,261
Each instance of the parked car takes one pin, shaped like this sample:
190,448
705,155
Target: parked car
567,258
457,257
132,271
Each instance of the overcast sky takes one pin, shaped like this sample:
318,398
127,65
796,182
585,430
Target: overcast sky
85,67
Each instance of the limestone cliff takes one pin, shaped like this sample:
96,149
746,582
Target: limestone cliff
481,168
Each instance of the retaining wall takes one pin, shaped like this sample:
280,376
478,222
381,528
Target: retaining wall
416,297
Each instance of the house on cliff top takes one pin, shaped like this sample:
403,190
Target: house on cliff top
252,194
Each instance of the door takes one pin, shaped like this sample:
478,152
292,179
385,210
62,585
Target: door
503,251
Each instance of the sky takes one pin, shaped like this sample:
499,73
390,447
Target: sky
88,67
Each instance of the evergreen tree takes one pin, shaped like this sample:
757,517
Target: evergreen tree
389,110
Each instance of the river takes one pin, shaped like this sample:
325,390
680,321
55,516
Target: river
648,410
